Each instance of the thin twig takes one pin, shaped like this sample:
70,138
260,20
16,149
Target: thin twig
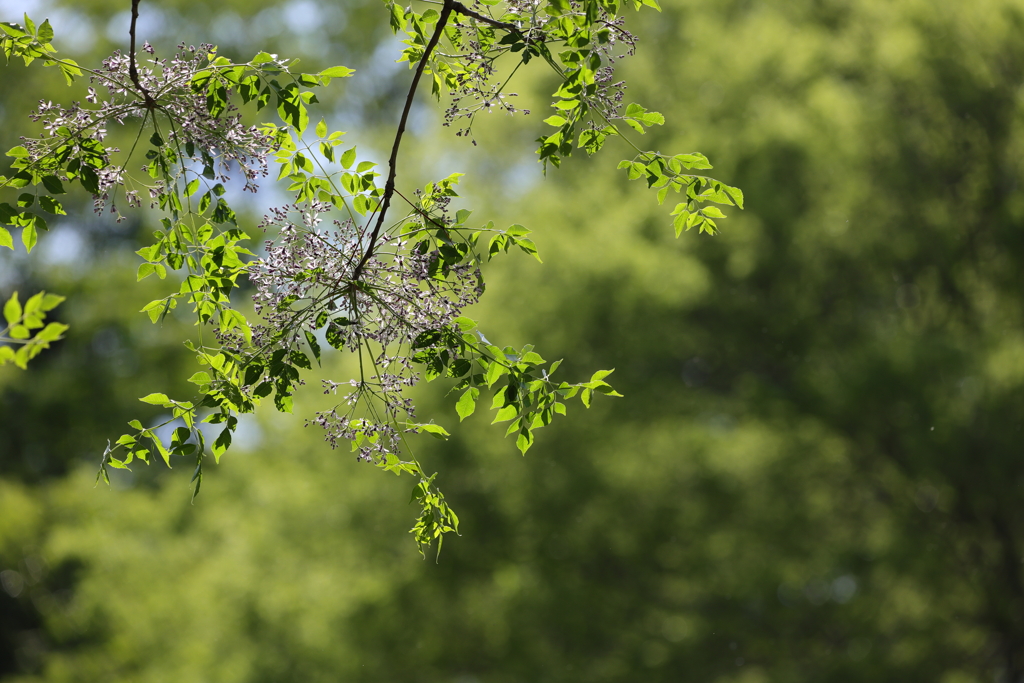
133,72
389,186
512,28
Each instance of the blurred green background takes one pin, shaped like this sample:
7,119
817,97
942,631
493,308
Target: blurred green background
816,473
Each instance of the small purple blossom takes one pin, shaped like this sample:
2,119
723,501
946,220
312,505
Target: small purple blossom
182,114
308,270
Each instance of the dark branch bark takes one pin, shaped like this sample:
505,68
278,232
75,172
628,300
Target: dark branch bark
389,186
133,72
462,9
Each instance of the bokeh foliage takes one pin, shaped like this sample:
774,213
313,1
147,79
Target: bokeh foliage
815,473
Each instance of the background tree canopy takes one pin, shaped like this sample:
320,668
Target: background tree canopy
815,473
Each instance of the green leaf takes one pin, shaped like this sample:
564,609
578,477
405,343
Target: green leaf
230,318
28,236
51,301
736,194
161,449
157,309
12,310
467,403
115,463
434,430
292,110
653,118
695,160
494,371
465,324
283,403
524,441
51,205
5,238
505,414
337,72
33,307
145,270
321,129
52,332
222,444
426,339
300,360
53,185
69,68
314,346
12,30
156,400
334,336
348,158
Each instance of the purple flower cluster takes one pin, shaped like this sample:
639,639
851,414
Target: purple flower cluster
182,108
306,283
476,89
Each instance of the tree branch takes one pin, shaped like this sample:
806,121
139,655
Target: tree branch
462,9
133,72
389,186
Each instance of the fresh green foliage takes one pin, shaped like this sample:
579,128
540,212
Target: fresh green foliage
30,43
771,492
666,173
389,290
21,320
